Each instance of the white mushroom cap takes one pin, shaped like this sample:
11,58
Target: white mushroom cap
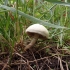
37,29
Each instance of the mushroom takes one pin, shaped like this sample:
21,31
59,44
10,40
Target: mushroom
36,31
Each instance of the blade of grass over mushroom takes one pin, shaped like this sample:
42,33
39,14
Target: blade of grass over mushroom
35,20
59,2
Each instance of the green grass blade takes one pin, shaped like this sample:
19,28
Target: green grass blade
2,39
35,20
59,2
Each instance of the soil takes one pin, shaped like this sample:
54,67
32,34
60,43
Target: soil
49,57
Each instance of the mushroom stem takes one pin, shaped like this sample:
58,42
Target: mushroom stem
33,41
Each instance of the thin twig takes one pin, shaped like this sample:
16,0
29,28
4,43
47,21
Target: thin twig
35,61
61,66
26,62
23,60
6,64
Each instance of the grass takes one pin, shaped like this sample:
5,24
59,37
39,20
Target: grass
16,16
52,13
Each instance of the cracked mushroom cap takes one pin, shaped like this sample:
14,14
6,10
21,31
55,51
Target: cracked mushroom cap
37,29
